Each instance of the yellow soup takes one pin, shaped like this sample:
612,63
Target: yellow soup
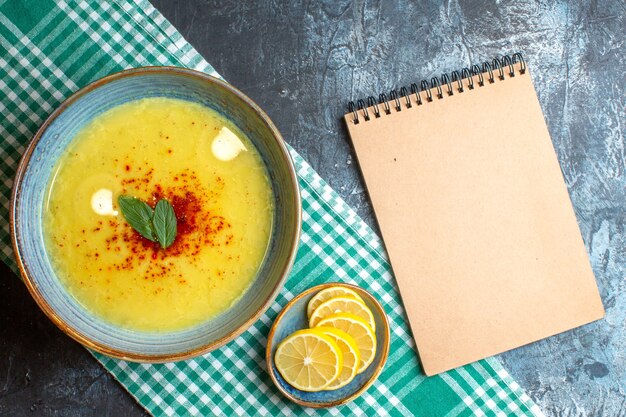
156,149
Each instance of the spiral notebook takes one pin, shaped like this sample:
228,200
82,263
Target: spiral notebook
474,212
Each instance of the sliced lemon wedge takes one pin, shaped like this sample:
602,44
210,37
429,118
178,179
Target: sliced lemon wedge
351,356
360,331
309,360
342,304
327,294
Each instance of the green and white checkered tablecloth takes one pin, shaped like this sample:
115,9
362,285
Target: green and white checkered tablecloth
49,49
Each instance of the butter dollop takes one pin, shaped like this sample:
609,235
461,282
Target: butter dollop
227,145
102,202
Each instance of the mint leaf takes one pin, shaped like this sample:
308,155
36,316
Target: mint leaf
164,223
138,214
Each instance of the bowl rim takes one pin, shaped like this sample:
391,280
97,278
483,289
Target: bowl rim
32,287
269,360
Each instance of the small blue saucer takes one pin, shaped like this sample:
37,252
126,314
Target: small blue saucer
293,317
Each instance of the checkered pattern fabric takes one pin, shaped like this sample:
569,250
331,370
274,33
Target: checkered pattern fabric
50,49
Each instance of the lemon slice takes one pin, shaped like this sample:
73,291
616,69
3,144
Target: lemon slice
360,331
309,360
343,304
327,294
351,356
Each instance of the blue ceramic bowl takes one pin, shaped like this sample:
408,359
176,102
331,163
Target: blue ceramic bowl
48,146
293,317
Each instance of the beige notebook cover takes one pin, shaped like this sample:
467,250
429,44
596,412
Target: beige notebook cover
476,218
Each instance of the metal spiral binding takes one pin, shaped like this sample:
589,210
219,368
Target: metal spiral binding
497,69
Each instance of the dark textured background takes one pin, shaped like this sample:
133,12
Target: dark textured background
300,61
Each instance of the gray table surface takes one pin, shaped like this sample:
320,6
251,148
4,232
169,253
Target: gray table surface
300,61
